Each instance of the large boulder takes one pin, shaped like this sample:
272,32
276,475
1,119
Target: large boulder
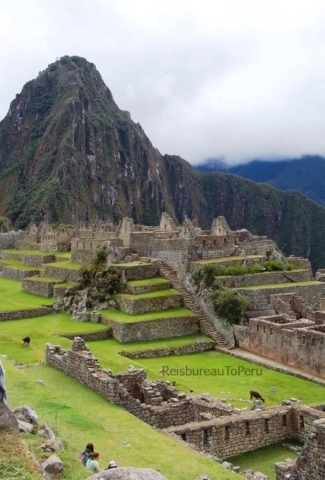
53,465
128,473
26,414
7,418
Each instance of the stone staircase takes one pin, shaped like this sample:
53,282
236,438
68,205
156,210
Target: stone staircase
189,301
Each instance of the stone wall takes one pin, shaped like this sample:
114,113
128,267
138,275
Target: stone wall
153,329
197,347
37,260
156,304
18,314
256,279
42,288
285,342
18,274
310,293
101,335
69,274
8,240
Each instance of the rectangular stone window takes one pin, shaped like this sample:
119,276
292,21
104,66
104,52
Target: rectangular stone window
271,331
263,329
312,342
247,428
284,420
266,426
227,432
257,328
303,340
301,421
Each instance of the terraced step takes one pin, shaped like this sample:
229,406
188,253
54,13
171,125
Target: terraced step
226,261
149,302
148,285
126,328
15,270
138,270
43,286
66,270
260,313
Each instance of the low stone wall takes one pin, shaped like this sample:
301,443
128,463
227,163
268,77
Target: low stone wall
101,335
239,281
69,274
44,289
17,274
154,329
18,314
60,291
157,304
11,255
140,271
302,348
146,288
37,260
8,240
310,293
197,347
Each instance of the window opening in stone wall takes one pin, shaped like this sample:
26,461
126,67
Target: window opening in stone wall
266,426
303,340
270,331
183,436
312,342
257,328
247,431
263,329
225,241
302,421
203,242
227,432
205,437
284,420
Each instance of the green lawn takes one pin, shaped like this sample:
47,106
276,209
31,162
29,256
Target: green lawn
123,317
225,259
15,263
46,279
281,285
147,282
264,458
36,252
13,298
170,292
68,264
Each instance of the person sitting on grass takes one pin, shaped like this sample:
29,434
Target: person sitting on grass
84,457
92,465
112,464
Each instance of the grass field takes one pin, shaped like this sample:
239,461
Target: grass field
147,282
15,263
170,292
68,264
281,285
13,298
122,317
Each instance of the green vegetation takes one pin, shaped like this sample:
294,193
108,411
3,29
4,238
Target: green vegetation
14,263
68,264
148,282
230,305
46,280
20,465
12,297
170,292
264,458
207,261
281,285
122,317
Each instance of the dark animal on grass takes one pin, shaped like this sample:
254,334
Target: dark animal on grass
256,395
26,341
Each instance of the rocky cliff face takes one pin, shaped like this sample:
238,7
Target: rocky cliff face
68,153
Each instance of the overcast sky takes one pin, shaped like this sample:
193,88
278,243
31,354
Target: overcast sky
231,79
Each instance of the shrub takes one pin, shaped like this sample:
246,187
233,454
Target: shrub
230,305
100,255
274,266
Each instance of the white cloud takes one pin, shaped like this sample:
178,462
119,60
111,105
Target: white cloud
211,78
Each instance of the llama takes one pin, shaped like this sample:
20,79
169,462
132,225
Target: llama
26,341
256,395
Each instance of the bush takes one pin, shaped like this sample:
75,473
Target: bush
274,266
230,305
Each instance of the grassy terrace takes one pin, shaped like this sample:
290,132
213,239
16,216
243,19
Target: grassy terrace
66,285
12,297
282,285
147,282
68,264
46,280
170,292
207,261
122,317
13,263
36,252
128,264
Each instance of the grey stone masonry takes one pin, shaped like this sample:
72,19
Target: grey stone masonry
69,274
153,329
17,314
142,305
18,274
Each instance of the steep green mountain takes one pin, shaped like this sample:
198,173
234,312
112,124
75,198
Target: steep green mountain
306,174
68,153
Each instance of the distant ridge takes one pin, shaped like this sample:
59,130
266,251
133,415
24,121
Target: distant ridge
305,175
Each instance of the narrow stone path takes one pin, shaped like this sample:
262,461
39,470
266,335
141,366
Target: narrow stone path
206,327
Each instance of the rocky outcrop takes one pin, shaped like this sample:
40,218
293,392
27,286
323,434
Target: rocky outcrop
7,418
128,473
